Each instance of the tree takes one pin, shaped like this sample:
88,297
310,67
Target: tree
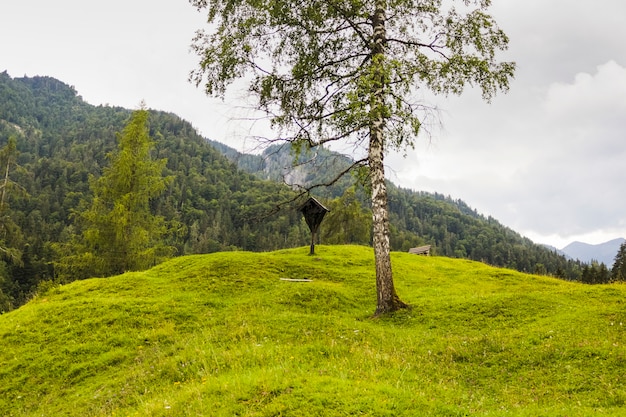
347,221
10,233
618,272
120,233
595,273
8,158
346,70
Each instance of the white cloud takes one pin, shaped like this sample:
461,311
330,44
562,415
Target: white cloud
547,162
592,99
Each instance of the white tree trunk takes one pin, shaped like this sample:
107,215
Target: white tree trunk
387,299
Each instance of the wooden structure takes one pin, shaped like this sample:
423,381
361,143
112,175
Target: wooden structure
314,213
421,250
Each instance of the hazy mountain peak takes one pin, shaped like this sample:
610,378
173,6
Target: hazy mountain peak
602,252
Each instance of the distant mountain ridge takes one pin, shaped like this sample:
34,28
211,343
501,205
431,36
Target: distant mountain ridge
602,252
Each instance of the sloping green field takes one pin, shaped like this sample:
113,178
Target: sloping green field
223,335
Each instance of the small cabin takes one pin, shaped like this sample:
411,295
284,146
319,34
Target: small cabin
421,250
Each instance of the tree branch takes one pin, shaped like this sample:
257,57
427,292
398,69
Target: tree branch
432,46
353,25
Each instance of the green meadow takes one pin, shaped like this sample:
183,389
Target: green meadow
224,335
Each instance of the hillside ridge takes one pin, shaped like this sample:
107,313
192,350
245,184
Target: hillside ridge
222,335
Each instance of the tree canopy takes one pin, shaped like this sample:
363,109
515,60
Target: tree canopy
312,62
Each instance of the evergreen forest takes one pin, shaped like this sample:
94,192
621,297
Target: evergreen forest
54,148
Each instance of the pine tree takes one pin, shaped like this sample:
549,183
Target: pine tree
618,272
119,231
603,274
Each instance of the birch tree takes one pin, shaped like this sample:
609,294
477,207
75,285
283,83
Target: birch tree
10,232
349,70
8,158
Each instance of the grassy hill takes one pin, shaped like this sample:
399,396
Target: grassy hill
223,335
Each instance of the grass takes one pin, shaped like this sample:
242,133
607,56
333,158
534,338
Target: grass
222,335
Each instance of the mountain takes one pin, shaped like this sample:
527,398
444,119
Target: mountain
218,200
603,252
280,163
223,335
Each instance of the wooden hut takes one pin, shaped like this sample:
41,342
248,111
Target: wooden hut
421,250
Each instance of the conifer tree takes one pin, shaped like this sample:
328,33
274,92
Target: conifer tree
618,272
603,274
119,231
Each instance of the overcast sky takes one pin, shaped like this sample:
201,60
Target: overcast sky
547,159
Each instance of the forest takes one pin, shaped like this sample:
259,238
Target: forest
55,146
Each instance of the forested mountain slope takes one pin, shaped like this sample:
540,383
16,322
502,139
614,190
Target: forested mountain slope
211,204
63,141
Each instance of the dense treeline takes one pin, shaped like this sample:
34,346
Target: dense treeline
456,230
210,204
